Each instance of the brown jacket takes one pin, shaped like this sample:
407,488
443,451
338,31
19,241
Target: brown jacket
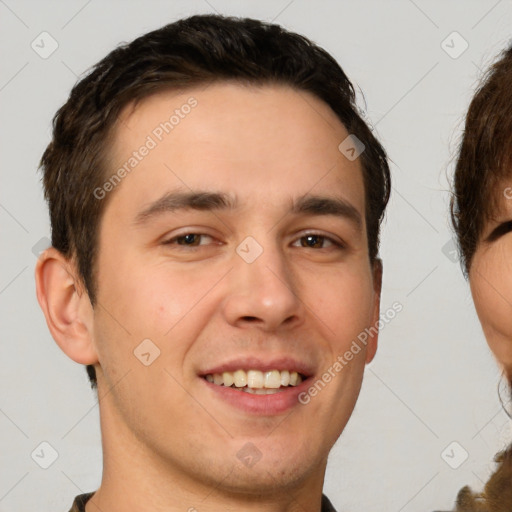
497,493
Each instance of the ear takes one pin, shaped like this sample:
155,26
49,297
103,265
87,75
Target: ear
377,287
66,306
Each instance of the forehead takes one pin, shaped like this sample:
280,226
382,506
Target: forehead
262,143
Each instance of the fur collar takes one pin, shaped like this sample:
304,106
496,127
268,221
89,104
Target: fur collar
497,493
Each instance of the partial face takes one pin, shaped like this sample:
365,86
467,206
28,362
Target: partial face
491,281
237,245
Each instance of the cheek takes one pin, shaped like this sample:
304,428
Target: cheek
149,300
144,302
491,286
344,303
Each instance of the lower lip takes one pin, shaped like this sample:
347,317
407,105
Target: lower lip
267,405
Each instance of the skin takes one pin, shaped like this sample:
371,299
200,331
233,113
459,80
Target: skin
169,443
490,279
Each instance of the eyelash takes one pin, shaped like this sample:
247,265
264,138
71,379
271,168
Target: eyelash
173,241
501,230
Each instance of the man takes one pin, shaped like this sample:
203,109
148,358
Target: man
215,201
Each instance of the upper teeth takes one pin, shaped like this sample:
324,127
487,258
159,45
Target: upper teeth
255,379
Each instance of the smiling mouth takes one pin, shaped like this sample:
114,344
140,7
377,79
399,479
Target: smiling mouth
255,381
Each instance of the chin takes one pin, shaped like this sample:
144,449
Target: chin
270,474
264,479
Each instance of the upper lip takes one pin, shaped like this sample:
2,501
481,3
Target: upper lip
261,364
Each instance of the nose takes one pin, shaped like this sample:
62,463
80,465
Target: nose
263,293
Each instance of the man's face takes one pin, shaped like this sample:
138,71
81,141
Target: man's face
275,282
490,278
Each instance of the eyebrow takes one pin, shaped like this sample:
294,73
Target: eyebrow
323,205
499,231
214,201
173,201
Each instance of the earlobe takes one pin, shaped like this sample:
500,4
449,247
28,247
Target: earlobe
66,306
374,328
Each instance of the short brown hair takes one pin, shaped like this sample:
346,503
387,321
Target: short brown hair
187,53
484,157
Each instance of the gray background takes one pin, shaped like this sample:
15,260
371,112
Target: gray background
433,380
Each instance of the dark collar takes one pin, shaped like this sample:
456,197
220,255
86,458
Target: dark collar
82,499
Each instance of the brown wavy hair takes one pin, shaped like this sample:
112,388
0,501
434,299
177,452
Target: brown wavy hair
484,158
190,52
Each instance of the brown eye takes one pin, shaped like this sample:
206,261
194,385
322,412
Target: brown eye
313,241
188,240
318,241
